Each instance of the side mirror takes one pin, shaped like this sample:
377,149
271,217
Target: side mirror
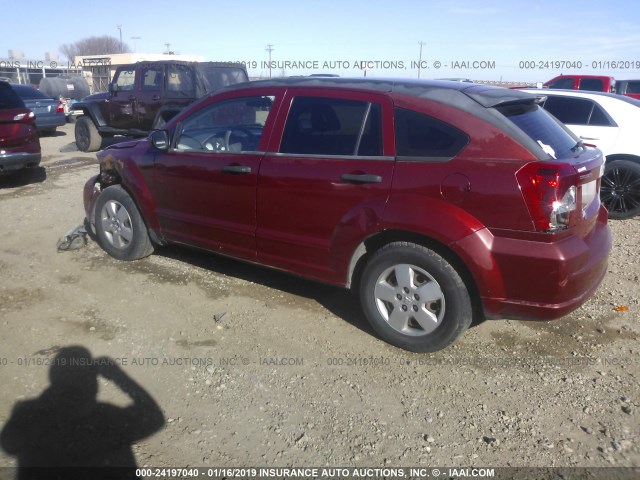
160,140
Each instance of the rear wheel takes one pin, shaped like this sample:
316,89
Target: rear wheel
414,299
88,138
120,229
620,189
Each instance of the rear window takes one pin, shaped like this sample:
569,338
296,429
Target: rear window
9,98
542,128
29,93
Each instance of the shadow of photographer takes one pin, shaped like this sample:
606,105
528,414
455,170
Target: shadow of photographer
67,433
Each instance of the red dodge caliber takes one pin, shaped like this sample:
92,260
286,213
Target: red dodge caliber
433,200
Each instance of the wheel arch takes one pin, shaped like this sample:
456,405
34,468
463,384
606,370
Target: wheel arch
623,156
131,180
92,111
375,242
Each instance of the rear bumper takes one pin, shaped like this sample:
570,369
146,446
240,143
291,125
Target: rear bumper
12,161
50,121
534,280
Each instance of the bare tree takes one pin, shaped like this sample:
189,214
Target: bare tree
103,45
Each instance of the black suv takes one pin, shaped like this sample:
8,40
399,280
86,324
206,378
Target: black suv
145,95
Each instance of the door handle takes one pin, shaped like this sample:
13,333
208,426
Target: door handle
361,178
236,169
132,97
155,98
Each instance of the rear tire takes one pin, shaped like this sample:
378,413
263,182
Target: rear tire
414,299
120,228
88,138
620,189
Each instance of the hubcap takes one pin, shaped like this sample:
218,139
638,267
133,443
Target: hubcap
409,299
116,223
620,190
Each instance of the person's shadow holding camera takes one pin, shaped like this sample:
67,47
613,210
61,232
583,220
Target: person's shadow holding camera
66,429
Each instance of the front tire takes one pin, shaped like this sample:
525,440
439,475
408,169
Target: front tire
88,138
120,228
620,189
413,298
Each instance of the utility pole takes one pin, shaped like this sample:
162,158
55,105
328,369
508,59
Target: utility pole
420,57
168,52
135,43
120,28
269,49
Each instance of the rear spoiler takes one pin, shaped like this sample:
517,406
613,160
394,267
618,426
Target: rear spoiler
489,96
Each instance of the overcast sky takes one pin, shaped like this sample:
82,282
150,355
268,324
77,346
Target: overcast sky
460,34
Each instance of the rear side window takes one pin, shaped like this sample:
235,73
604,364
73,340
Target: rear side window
332,126
9,98
592,84
576,111
542,128
420,136
219,77
152,78
180,82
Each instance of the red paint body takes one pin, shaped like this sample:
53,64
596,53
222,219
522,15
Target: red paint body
293,212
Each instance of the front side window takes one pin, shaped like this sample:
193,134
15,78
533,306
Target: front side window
333,126
562,83
126,80
421,136
231,126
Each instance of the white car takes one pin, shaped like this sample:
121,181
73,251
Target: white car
612,123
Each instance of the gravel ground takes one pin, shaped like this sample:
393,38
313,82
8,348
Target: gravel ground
251,367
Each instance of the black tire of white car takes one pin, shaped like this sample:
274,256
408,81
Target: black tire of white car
425,310
620,189
120,228
88,138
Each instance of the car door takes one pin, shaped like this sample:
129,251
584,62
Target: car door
149,95
324,185
205,184
585,118
122,99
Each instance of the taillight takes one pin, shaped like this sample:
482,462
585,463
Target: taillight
60,108
24,117
550,193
